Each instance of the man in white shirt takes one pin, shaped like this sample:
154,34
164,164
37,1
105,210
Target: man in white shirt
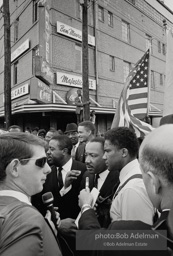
23,171
131,201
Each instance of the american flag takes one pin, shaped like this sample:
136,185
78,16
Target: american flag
133,100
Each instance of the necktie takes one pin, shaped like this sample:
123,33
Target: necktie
60,180
96,180
73,152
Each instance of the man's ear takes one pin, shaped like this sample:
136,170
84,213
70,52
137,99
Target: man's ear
155,181
13,167
124,152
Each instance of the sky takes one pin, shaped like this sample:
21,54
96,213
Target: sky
169,3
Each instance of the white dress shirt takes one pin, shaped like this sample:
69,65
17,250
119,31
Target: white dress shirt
16,194
65,169
132,202
102,178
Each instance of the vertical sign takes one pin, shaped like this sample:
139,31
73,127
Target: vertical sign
44,32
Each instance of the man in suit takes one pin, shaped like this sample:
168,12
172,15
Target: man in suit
23,171
64,180
100,177
78,149
155,157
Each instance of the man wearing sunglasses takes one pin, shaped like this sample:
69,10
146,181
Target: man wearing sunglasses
23,171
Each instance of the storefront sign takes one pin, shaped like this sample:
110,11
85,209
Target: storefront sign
43,70
73,33
73,80
20,91
21,49
39,91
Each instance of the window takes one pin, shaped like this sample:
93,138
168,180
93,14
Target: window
78,58
15,72
161,79
126,69
164,49
35,52
125,31
159,46
101,13
148,41
152,79
79,10
16,29
112,63
35,10
110,19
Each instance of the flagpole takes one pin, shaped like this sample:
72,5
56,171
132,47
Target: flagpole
149,81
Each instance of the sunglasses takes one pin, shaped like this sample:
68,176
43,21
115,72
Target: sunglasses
40,162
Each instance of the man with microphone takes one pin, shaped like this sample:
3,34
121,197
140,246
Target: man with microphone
23,172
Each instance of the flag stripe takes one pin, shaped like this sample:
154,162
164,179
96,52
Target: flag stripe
134,98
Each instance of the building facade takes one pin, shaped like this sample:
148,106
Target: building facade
46,58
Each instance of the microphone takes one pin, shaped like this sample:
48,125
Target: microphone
48,199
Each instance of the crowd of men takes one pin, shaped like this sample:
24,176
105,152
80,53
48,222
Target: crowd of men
134,188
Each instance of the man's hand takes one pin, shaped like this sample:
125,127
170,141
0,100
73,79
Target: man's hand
70,177
85,197
48,217
67,227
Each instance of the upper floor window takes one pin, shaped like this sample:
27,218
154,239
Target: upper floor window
126,69
110,19
16,29
161,79
148,41
125,31
78,58
101,13
15,72
152,79
159,46
79,10
112,63
35,10
164,49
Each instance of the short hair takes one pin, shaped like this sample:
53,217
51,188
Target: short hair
16,145
123,137
157,161
64,142
55,132
88,125
100,140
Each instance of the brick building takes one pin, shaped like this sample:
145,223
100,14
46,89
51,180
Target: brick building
46,57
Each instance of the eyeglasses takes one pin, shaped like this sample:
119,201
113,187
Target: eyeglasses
40,162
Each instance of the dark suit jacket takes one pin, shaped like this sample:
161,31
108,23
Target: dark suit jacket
24,231
80,153
67,204
88,221
106,191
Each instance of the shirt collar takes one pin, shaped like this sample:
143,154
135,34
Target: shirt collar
129,169
103,175
16,194
67,166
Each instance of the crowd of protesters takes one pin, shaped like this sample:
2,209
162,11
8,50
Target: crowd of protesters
134,188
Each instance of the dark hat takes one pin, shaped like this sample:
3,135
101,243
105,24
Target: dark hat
72,127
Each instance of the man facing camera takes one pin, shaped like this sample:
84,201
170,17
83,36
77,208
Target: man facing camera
23,171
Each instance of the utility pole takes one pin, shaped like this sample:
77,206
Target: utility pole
85,89
7,64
